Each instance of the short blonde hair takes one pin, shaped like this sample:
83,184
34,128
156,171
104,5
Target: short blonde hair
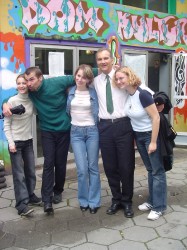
87,72
104,49
134,80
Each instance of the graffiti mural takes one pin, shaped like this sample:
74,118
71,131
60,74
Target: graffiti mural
63,16
168,31
181,6
180,92
11,64
56,19
113,44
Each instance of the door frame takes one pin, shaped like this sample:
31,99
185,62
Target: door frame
181,138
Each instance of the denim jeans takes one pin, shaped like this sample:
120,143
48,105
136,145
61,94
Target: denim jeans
23,171
156,173
85,144
55,147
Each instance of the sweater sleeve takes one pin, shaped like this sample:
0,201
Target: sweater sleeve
95,71
66,81
7,130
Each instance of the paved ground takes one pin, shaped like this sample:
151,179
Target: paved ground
69,228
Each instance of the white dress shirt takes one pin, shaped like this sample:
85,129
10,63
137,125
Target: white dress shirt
119,97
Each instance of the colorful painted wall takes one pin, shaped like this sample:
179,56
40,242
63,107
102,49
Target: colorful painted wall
180,91
74,20
181,7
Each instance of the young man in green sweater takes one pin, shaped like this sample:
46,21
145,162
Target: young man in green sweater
49,97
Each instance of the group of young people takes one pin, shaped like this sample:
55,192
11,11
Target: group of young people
105,111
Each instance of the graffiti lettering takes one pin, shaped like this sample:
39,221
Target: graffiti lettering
69,17
169,30
90,18
34,14
63,16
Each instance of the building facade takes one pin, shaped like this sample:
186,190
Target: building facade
58,35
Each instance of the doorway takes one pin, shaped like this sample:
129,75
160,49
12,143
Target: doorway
153,68
159,72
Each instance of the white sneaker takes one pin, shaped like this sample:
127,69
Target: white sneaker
154,215
145,207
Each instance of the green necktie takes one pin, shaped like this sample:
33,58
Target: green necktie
109,102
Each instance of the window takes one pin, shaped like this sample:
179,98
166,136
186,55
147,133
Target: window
111,1
161,6
135,3
42,55
165,6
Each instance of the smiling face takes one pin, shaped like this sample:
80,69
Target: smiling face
121,80
104,61
22,85
125,78
81,80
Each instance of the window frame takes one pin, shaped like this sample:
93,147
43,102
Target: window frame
171,6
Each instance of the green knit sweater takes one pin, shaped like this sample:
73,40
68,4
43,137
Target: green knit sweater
50,101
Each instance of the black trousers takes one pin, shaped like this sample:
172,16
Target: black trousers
118,155
23,170
55,147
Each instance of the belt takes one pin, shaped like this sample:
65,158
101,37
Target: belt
114,120
29,140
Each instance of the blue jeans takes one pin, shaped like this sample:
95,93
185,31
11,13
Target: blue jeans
85,144
55,147
156,173
23,171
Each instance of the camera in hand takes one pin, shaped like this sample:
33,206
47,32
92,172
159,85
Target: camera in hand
18,110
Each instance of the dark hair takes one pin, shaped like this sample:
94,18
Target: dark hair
36,70
87,72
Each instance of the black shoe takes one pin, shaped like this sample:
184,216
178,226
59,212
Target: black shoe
57,198
128,212
26,211
83,209
93,210
48,208
113,209
34,200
